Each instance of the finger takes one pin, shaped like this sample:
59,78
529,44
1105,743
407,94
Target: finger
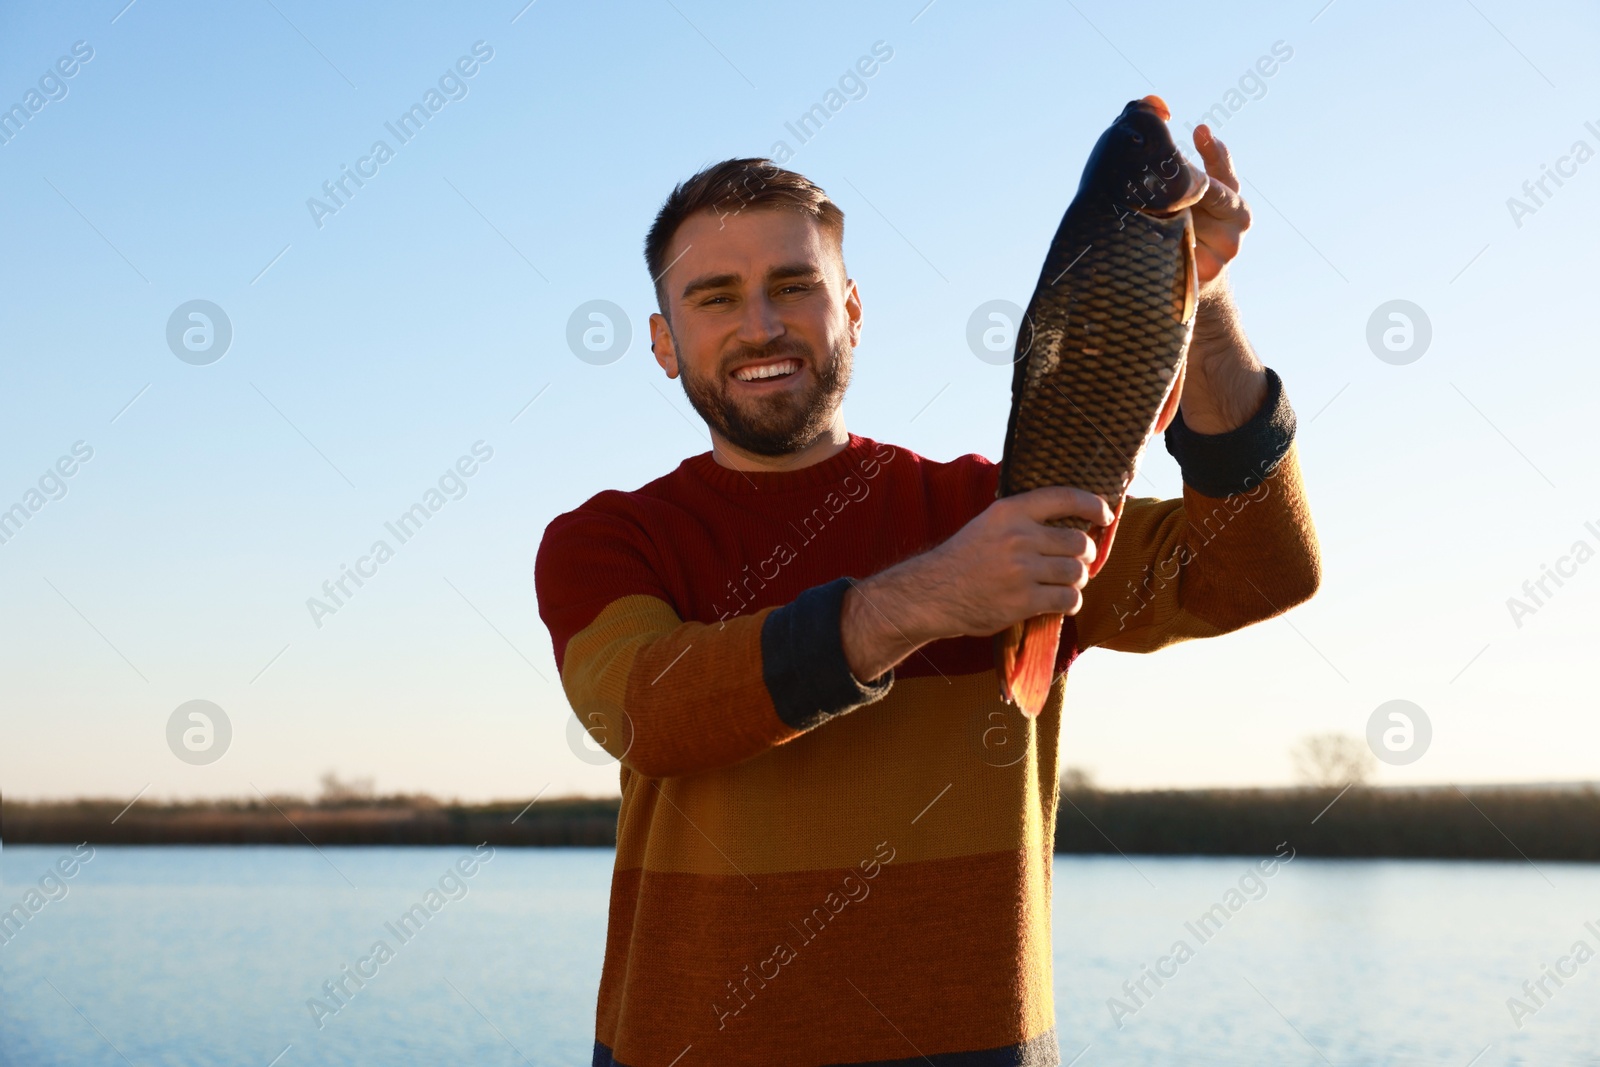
1059,600
1222,242
1207,263
1220,220
1061,570
1058,542
1221,202
1063,502
1217,158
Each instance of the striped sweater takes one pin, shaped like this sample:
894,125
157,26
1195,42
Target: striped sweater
815,870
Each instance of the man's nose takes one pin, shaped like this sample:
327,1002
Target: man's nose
760,323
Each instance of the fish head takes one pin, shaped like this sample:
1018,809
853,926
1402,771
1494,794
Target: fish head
1136,165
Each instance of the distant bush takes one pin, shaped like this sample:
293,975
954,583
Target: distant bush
1435,823
338,820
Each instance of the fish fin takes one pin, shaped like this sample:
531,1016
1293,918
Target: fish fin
1191,274
1007,643
1025,660
1102,537
1169,408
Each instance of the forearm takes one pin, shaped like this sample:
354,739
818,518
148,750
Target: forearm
1225,383
880,623
669,698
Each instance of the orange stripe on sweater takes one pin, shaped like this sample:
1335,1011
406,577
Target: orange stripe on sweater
765,976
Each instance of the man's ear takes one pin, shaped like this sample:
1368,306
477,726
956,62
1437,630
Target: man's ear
852,310
666,352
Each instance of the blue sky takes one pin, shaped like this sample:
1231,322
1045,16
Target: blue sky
370,353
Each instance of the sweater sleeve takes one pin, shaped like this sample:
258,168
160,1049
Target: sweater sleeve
1237,548
668,697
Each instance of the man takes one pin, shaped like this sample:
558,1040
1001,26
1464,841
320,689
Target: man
835,840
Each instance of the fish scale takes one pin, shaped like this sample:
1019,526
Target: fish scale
1108,338
1100,356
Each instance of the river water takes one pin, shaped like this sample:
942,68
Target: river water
181,955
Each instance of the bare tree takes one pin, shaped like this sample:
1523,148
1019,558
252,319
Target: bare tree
338,791
1077,780
1333,759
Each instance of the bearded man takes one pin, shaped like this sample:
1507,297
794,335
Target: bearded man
834,845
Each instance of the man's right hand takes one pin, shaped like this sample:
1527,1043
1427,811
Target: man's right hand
1003,566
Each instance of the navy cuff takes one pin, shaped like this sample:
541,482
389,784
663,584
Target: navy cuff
1222,464
803,664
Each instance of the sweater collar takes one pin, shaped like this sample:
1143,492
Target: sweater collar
828,472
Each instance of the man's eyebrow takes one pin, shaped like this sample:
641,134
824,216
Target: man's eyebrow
794,270
724,281
710,281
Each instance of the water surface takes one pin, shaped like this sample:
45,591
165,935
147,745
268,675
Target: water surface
191,955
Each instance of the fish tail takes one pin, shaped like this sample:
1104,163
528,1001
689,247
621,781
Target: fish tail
1025,658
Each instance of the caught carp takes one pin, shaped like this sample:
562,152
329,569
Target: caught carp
1099,359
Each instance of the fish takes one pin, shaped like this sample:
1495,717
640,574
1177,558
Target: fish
1100,354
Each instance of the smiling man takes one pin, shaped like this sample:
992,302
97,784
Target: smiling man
835,839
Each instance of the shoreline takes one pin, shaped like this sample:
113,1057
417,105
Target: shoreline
1480,822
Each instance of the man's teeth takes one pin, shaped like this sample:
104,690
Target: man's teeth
767,370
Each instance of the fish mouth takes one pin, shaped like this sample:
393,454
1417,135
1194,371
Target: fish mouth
1173,184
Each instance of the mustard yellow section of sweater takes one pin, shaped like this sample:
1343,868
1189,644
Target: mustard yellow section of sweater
661,710
599,660
1202,566
939,768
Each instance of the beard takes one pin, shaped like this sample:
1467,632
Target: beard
776,425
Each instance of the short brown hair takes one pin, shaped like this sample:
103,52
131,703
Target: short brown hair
728,188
